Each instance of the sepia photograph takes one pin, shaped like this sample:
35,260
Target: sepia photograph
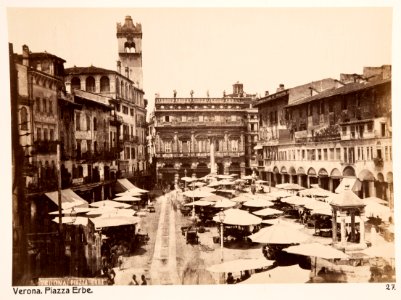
199,146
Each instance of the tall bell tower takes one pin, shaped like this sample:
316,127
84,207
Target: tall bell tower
129,37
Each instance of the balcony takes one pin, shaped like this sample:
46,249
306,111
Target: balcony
45,147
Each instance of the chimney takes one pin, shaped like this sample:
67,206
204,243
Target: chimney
266,93
25,55
280,88
119,66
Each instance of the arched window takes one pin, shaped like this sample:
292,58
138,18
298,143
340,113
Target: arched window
24,118
90,84
75,83
104,84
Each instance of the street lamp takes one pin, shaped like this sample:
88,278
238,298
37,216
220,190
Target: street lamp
222,216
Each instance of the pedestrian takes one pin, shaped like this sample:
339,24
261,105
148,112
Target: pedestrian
230,278
144,282
133,281
120,262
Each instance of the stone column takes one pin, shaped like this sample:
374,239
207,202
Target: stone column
334,224
212,161
372,190
362,227
343,229
102,192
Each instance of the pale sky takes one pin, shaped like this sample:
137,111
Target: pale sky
212,48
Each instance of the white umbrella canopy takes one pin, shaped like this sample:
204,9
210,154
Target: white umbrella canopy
290,186
138,190
374,200
72,210
197,184
235,216
385,250
188,179
258,203
197,193
316,250
127,198
316,192
373,209
240,198
267,212
130,193
239,180
221,176
239,265
224,203
296,200
200,203
280,194
109,203
72,220
101,222
248,177
206,189
279,234
283,222
214,198
290,274
111,211
316,204
261,181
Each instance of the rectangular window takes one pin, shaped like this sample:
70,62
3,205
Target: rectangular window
200,118
88,123
167,118
325,157
344,130
44,101
39,134
352,132
51,137
78,121
370,126
184,118
338,153
345,154
367,152
331,154
319,154
233,118
234,145
167,147
131,111
383,129
88,145
125,110
386,153
50,107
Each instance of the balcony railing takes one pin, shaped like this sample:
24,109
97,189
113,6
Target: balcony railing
45,147
240,123
201,154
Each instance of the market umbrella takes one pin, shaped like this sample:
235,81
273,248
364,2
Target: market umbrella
127,198
280,194
72,220
283,222
239,180
290,274
199,203
188,179
111,211
138,190
101,222
197,184
279,234
373,209
225,176
213,198
290,186
385,250
374,200
261,181
258,203
68,211
109,203
296,200
240,198
248,177
130,193
206,189
317,250
267,212
224,203
235,216
316,192
316,204
197,193
239,265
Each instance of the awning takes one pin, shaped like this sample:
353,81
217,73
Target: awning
68,199
353,184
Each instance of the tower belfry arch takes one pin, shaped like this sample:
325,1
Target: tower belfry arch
129,37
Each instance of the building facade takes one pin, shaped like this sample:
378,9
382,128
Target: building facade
323,136
201,135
